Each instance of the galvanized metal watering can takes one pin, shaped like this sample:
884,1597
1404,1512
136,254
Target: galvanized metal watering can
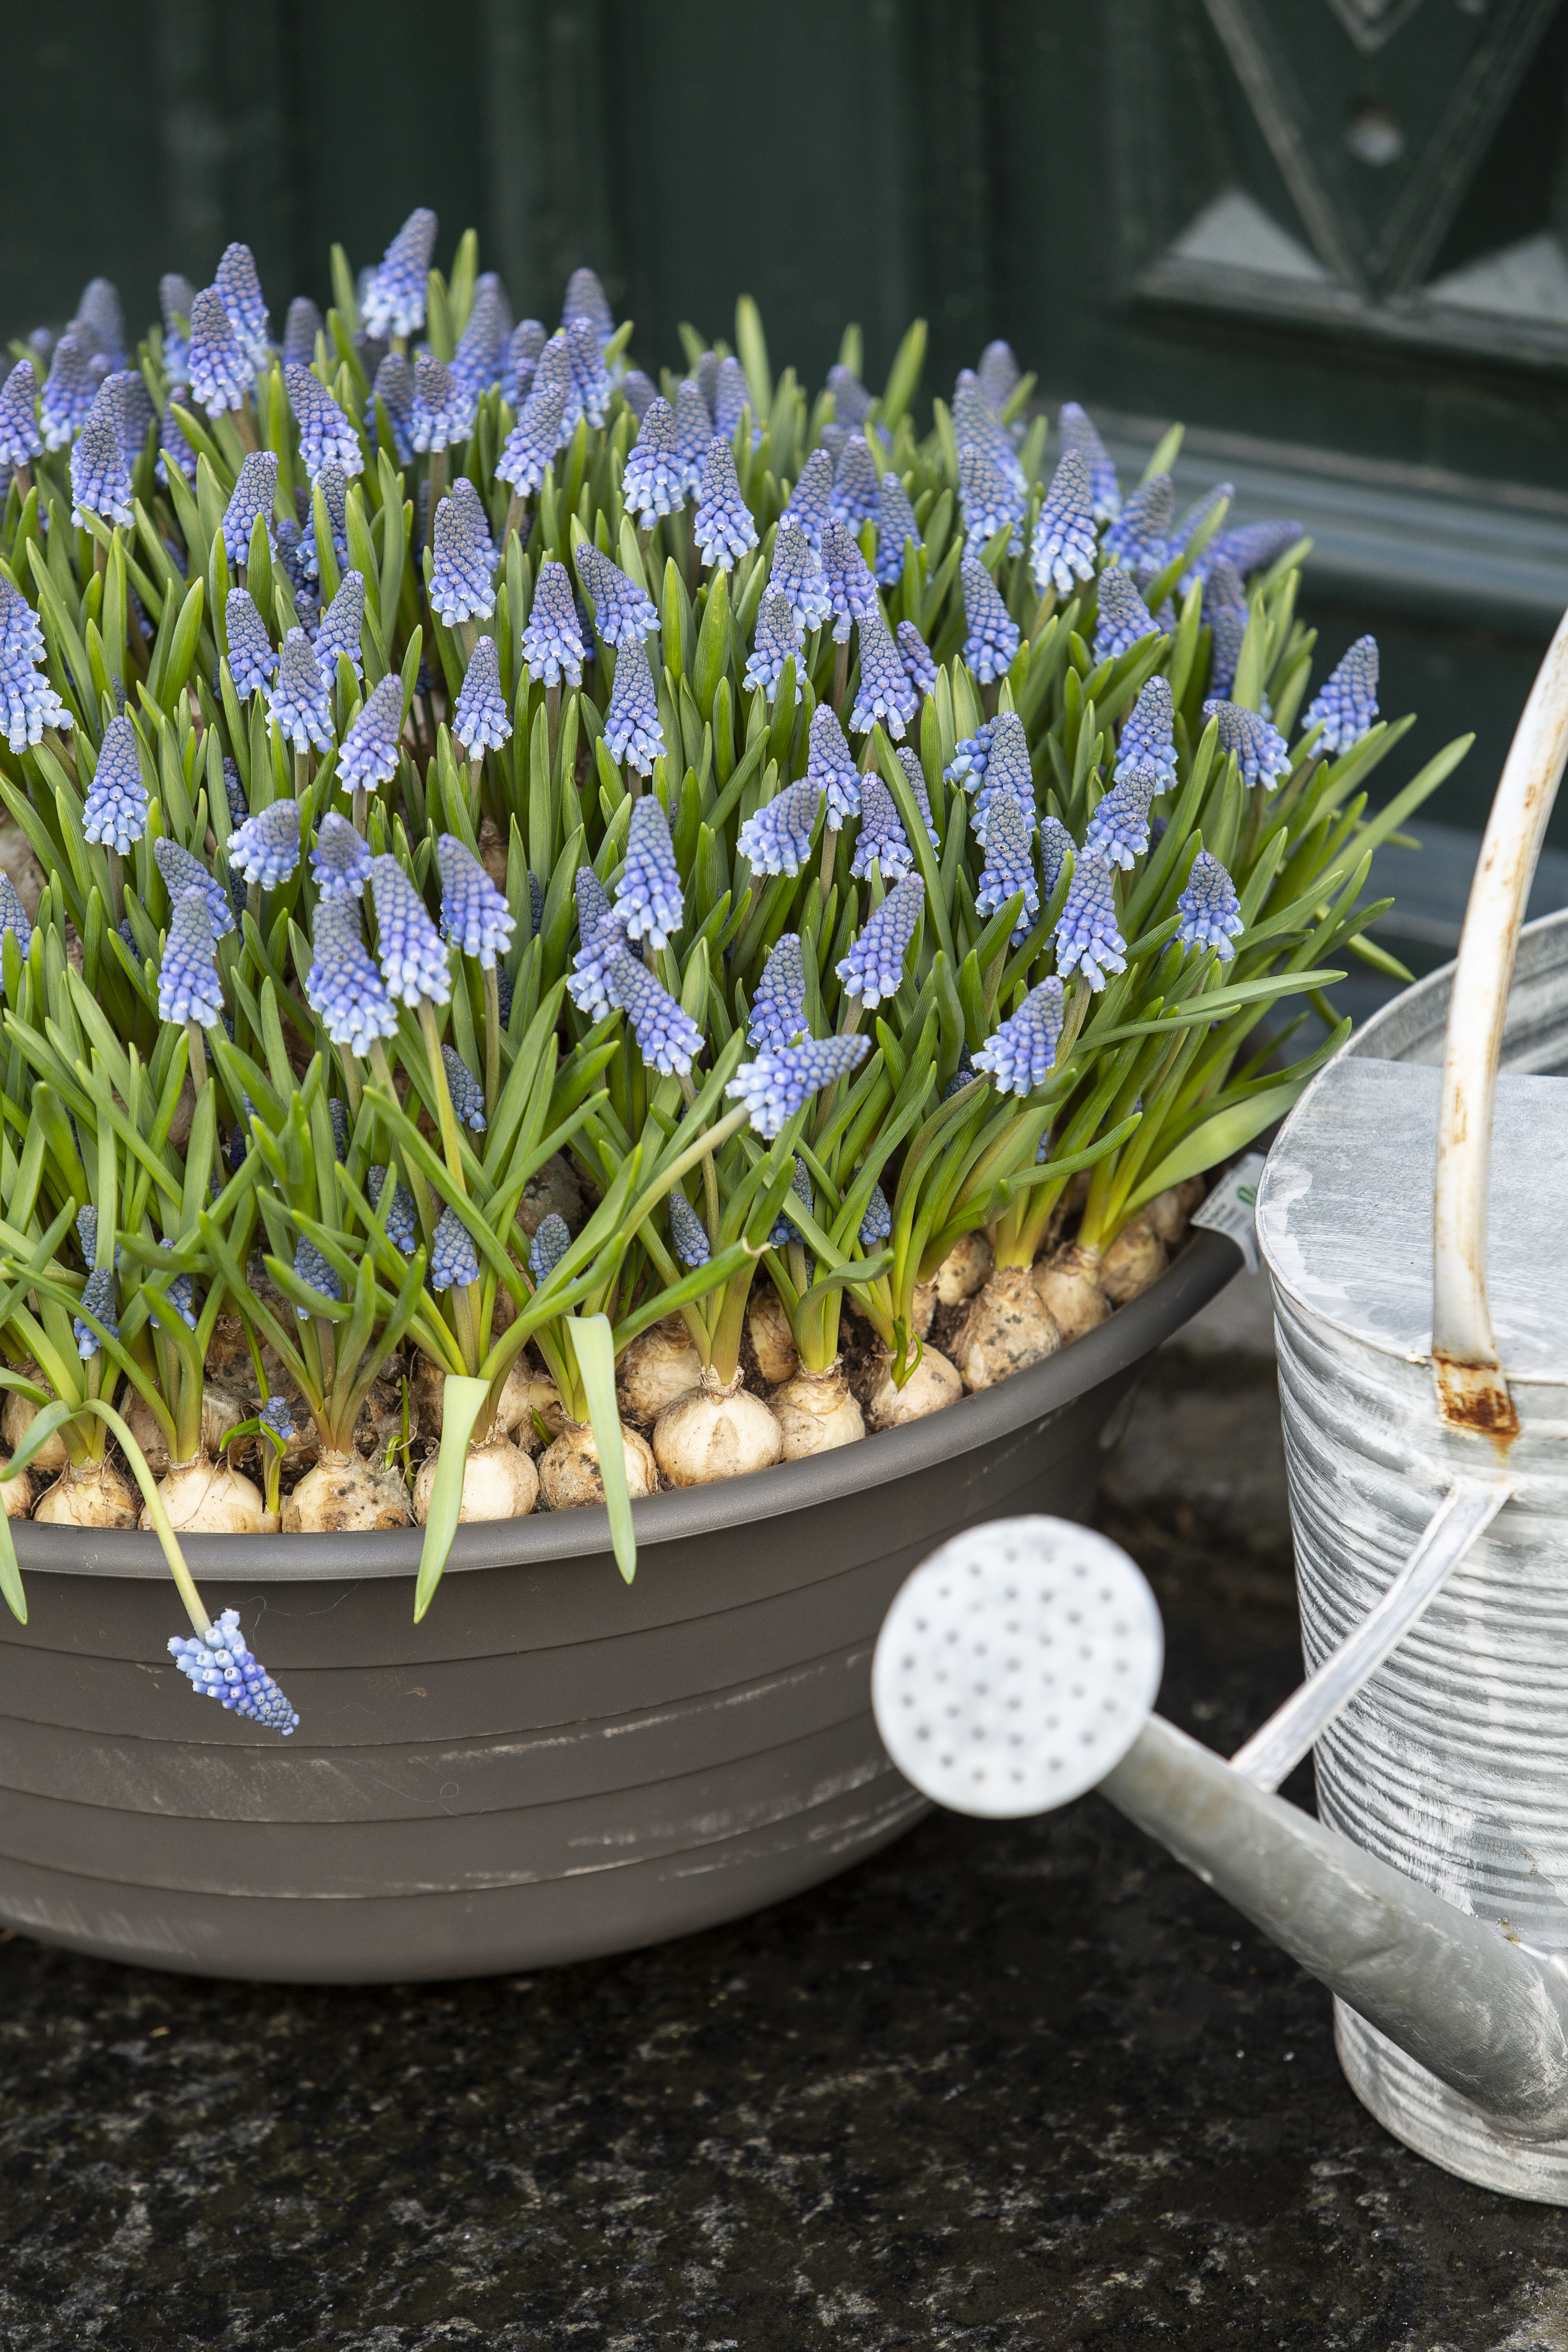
1424,1382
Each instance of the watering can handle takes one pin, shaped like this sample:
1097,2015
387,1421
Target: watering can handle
1471,1391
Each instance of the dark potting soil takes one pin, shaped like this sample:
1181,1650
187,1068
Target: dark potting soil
1003,2087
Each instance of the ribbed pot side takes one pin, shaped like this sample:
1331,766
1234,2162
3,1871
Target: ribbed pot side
1452,1765
552,1765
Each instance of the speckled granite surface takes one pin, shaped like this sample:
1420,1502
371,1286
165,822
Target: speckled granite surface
1002,2088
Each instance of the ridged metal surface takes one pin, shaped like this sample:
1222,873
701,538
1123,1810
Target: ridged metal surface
1452,1765
552,1765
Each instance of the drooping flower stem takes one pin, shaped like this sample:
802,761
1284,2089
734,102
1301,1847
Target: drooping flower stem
476,775
116,889
552,720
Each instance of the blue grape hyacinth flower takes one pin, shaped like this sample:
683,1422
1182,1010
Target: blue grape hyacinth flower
463,558
776,838
1087,935
783,1078
723,524
344,986
475,917
796,573
590,377
976,425
476,361
1346,703
992,635
778,1009
29,703
1062,550
1118,830
1224,610
238,289
480,720
882,840
392,303
884,692
693,432
339,861
221,376
1138,536
777,641
71,390
600,938
255,489
690,1243
1123,620
114,813
648,902
393,388
1080,438
467,1094
909,760
1209,908
124,398
413,958
172,447
442,412
297,698
550,1243
989,500
302,323
532,445
401,1223
20,439
101,482
896,529
252,657
316,1273
13,916
266,848
185,876
873,967
1148,734
219,1665
326,436
916,655
851,590
857,490
830,766
1261,750
877,1224
668,1038
1252,546
1022,1054
634,731
654,479
97,1300
731,401
552,641
1056,847
188,985
176,295
340,634
1009,867
370,748
810,503
624,612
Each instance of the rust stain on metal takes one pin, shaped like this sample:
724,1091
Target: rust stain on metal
1476,1397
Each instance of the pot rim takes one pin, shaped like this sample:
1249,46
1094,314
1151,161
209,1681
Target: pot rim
1206,1265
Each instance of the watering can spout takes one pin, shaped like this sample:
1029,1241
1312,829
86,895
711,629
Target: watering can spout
1489,2018
1018,1668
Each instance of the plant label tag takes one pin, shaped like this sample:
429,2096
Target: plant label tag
1231,1207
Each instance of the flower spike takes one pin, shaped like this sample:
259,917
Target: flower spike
777,839
344,988
238,289
885,692
778,1009
463,558
369,754
326,436
552,641
873,967
783,1078
299,701
185,876
218,1665
393,302
624,614
251,498
115,811
1063,546
413,959
475,917
1210,908
722,525
993,638
648,904
1148,733
266,848
252,657
221,376
1346,703
1080,438
811,501
776,642
1022,1054
830,766
633,727
188,985
100,483
1087,936
341,632
668,1038
1259,747
1124,620
481,721
653,482
339,861
882,840
1118,829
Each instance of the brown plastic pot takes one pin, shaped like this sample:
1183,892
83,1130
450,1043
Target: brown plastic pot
552,1765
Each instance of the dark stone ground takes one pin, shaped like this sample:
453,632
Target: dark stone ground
1003,2087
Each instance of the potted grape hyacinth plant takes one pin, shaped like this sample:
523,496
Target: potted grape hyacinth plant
587,961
